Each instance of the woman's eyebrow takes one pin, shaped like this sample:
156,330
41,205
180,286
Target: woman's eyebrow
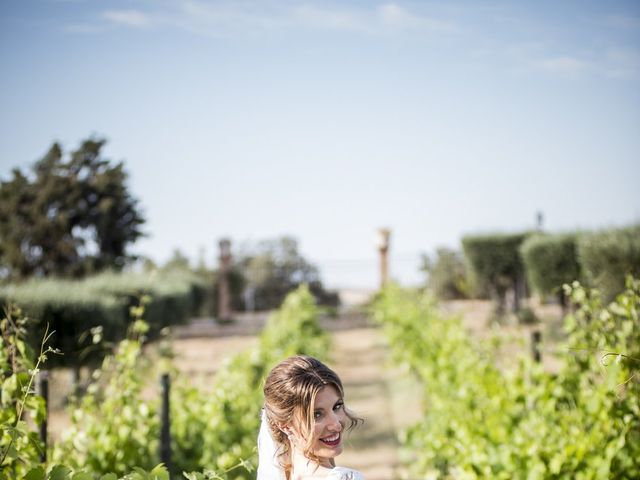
319,409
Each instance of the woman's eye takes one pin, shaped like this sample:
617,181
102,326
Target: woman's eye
338,406
317,415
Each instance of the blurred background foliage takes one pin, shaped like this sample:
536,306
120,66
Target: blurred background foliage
509,267
446,274
70,215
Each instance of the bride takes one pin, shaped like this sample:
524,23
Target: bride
303,422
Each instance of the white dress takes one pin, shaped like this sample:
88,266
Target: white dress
342,473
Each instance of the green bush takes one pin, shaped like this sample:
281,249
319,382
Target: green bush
608,255
126,431
130,436
495,266
213,429
72,308
20,444
63,472
550,262
481,421
175,295
159,472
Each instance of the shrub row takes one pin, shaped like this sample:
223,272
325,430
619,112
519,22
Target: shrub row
498,263
600,259
481,421
607,256
551,261
495,265
74,307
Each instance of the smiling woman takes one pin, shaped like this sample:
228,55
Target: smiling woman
303,422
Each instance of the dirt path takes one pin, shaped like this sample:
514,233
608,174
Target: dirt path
376,393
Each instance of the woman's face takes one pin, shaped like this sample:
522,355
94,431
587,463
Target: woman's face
330,420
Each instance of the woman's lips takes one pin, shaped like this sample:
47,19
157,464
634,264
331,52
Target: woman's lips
332,440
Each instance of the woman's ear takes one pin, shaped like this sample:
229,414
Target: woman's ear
284,428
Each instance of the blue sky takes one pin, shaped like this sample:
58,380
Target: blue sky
326,120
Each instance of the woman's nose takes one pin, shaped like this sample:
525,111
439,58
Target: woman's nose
335,422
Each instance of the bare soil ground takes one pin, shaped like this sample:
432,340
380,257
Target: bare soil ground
359,357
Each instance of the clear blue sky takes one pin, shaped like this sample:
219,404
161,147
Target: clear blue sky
326,119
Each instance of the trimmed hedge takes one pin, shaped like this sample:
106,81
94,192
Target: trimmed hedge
550,262
494,263
600,259
74,307
607,256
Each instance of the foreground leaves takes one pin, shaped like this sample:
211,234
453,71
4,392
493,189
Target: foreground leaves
481,421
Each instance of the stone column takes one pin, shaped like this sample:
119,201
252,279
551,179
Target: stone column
539,221
224,292
383,248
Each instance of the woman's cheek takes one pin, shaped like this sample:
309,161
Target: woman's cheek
343,417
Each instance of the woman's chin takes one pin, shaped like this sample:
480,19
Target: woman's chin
328,451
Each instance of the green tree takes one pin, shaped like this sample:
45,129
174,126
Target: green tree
69,216
550,262
607,256
495,266
447,276
274,268
178,261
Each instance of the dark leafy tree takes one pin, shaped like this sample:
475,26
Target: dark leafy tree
68,217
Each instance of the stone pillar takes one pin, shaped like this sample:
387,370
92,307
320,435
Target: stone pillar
539,221
383,249
224,292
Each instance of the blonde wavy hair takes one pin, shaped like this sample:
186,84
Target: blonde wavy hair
290,392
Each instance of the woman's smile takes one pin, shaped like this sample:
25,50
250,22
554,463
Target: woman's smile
332,441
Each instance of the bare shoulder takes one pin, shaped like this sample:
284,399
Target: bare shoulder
342,473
